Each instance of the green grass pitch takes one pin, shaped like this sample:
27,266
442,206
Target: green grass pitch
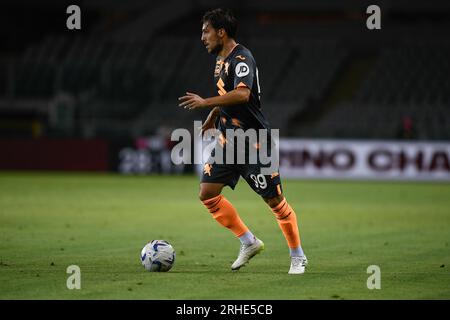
100,222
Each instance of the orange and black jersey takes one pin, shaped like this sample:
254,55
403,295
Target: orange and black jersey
239,69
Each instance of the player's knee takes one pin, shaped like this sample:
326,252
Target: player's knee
203,196
207,194
208,191
273,202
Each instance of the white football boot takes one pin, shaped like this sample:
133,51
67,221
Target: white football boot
247,252
298,265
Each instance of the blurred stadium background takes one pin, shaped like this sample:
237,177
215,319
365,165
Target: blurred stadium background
351,103
112,86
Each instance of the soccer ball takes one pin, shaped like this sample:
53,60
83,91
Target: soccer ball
158,256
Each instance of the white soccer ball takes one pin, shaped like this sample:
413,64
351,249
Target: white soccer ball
158,256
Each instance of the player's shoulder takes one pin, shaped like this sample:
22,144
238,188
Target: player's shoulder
241,53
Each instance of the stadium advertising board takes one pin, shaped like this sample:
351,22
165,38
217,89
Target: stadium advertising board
355,159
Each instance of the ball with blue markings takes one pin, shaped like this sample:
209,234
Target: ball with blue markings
158,256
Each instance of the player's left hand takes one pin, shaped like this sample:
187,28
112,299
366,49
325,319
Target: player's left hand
192,101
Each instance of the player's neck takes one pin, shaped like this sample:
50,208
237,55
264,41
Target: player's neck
228,46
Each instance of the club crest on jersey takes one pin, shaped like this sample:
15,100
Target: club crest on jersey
242,69
219,65
227,64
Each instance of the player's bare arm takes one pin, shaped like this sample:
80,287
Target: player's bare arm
210,120
193,101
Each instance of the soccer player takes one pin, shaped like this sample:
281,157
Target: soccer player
238,107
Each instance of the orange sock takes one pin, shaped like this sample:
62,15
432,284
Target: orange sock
287,220
225,214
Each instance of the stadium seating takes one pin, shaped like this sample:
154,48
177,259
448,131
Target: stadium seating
408,80
125,88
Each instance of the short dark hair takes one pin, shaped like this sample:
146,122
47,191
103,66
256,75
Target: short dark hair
222,18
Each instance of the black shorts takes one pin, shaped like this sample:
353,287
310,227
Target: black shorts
267,186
